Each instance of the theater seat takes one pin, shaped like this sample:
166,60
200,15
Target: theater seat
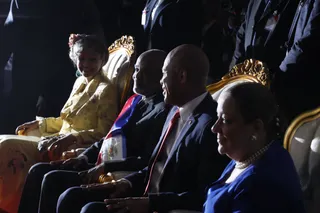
250,70
302,140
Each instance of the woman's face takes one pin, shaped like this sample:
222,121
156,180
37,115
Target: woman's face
89,62
233,134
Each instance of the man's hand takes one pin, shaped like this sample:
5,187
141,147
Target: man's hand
120,188
26,127
60,145
75,163
129,204
92,175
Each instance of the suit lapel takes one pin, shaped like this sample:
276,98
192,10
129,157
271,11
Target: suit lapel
188,126
164,130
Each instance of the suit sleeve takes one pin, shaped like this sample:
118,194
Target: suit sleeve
93,151
211,165
106,113
137,181
304,49
239,51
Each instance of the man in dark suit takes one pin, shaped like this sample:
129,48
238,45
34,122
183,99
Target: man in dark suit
185,160
169,23
264,32
296,84
142,132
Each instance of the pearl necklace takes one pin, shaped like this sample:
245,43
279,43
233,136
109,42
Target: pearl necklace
244,164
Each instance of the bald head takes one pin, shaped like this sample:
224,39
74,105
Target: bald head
192,60
148,72
153,61
185,72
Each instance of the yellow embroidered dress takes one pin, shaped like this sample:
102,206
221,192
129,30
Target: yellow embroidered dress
88,114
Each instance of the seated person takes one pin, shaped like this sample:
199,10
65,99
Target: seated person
141,130
86,116
185,160
261,176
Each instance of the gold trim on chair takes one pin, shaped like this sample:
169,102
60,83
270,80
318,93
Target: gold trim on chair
126,42
298,122
250,70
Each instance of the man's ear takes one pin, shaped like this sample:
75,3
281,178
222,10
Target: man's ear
183,76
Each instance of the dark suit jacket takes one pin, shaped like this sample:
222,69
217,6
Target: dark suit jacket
175,23
194,162
271,51
213,44
300,66
142,134
305,38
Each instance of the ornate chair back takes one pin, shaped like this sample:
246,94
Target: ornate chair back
250,70
302,140
119,68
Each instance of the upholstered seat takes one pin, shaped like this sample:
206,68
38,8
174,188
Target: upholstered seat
250,70
302,140
119,68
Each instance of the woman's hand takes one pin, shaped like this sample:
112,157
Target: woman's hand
129,204
26,127
92,175
56,149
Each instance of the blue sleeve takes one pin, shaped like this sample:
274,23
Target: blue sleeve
258,195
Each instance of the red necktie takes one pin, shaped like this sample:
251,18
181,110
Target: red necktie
172,123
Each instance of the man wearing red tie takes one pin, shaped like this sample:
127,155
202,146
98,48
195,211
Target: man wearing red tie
185,159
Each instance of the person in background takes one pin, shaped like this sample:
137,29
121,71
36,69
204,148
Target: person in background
185,160
86,116
139,125
264,32
213,40
296,82
261,176
168,24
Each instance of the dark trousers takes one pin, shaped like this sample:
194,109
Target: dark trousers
43,186
73,199
94,207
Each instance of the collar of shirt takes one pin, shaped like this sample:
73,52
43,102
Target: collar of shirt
148,99
187,109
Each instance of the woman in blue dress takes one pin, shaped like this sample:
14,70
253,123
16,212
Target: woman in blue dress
261,177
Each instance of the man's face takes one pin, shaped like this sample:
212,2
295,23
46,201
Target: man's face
170,82
140,78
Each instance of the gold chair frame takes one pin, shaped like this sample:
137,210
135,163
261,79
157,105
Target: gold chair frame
250,70
127,43
297,123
